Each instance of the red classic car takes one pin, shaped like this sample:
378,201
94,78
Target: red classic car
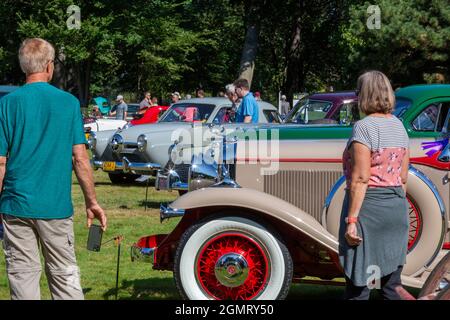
152,115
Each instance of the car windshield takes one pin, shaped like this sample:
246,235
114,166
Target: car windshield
317,110
401,106
188,112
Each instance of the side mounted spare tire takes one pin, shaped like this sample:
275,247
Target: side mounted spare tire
427,223
234,258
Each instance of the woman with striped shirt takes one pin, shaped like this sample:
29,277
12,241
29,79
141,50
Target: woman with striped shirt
374,225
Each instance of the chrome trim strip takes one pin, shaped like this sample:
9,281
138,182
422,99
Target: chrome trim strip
167,212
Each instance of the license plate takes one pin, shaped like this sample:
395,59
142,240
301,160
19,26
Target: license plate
109,166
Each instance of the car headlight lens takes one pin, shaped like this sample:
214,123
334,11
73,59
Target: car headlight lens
117,143
127,125
142,142
92,140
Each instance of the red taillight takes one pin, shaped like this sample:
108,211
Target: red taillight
446,246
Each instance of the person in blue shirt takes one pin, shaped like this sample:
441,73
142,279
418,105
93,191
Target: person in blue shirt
248,111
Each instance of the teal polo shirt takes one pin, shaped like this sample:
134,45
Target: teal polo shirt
39,124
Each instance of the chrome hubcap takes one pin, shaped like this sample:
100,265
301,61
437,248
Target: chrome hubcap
231,270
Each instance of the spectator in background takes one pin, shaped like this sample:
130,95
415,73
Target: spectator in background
285,106
96,112
121,109
175,97
200,93
154,102
221,94
230,92
145,103
257,95
188,97
248,111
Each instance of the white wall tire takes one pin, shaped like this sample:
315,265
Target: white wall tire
428,235
205,245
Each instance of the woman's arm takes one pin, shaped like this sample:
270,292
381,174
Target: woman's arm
360,175
405,168
361,158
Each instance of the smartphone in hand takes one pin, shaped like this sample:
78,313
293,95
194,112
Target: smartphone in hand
95,238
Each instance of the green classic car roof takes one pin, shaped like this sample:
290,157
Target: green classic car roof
423,92
417,94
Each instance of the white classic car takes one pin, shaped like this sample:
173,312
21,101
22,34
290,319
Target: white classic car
144,149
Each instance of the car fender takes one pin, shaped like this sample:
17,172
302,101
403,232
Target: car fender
261,202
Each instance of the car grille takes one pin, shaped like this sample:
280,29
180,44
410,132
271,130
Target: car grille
306,190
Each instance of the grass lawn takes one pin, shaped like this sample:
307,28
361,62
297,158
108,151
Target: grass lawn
125,207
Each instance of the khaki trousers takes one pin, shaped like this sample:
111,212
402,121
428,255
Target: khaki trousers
22,240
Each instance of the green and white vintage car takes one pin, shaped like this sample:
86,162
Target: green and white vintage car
253,222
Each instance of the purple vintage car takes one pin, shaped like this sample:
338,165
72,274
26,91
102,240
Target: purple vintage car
323,108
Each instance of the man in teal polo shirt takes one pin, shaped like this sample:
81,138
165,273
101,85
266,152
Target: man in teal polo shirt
248,111
41,141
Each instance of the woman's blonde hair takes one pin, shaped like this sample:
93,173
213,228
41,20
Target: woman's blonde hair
375,93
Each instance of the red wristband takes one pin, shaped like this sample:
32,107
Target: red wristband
349,220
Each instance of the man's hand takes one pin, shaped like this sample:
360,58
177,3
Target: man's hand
352,235
96,212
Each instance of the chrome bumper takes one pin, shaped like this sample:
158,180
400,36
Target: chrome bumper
166,212
128,167
169,180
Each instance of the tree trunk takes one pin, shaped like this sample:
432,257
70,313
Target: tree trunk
295,70
248,56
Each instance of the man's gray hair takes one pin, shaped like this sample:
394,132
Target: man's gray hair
35,54
230,88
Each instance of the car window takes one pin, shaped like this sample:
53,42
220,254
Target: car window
271,116
309,111
348,114
225,115
188,112
401,106
427,120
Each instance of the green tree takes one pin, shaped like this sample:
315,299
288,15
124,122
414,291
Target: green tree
412,44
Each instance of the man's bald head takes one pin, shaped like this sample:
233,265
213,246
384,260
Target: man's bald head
35,54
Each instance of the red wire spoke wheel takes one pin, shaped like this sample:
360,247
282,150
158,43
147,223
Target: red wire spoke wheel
232,266
415,224
232,258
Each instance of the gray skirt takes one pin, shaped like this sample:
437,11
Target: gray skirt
383,224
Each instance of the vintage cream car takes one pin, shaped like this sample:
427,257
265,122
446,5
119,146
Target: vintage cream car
256,222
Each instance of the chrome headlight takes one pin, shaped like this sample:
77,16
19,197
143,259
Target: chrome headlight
127,125
92,140
142,142
117,143
201,174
